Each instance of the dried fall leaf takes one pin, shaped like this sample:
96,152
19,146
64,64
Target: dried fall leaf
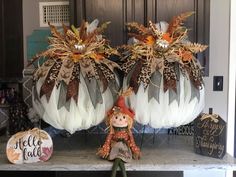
16,137
98,57
103,27
39,134
166,36
195,47
187,56
76,57
54,31
12,155
149,40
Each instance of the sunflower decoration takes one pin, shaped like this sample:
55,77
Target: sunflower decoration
77,83
161,67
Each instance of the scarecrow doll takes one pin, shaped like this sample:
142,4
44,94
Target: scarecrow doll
120,145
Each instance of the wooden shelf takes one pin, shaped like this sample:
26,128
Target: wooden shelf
168,153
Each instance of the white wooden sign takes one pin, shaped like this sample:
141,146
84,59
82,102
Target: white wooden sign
29,146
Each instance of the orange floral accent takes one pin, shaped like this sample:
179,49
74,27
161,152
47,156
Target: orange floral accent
187,56
76,57
96,56
166,36
150,40
12,156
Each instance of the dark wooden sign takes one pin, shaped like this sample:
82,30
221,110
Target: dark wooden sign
210,135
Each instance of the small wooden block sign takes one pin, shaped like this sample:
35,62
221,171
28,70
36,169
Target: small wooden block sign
210,135
29,146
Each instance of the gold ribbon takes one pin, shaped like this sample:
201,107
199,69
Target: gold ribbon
213,117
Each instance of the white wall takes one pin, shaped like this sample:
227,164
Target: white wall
219,56
31,20
219,66
232,80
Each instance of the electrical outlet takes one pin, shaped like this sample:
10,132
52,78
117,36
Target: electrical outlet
218,83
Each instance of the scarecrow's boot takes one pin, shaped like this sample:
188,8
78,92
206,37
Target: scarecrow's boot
122,167
114,167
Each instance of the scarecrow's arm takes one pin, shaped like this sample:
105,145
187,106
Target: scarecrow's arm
134,148
105,149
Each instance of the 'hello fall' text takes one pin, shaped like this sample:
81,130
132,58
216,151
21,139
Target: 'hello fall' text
31,147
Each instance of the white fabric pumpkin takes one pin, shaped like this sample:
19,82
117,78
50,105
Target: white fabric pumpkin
77,84
164,114
80,116
160,65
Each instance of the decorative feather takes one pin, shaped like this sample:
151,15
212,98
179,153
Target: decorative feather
82,31
162,26
54,32
195,47
92,26
139,28
177,21
65,28
103,27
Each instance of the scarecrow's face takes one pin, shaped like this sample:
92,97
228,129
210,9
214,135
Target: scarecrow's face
119,120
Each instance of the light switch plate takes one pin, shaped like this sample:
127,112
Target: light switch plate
218,83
